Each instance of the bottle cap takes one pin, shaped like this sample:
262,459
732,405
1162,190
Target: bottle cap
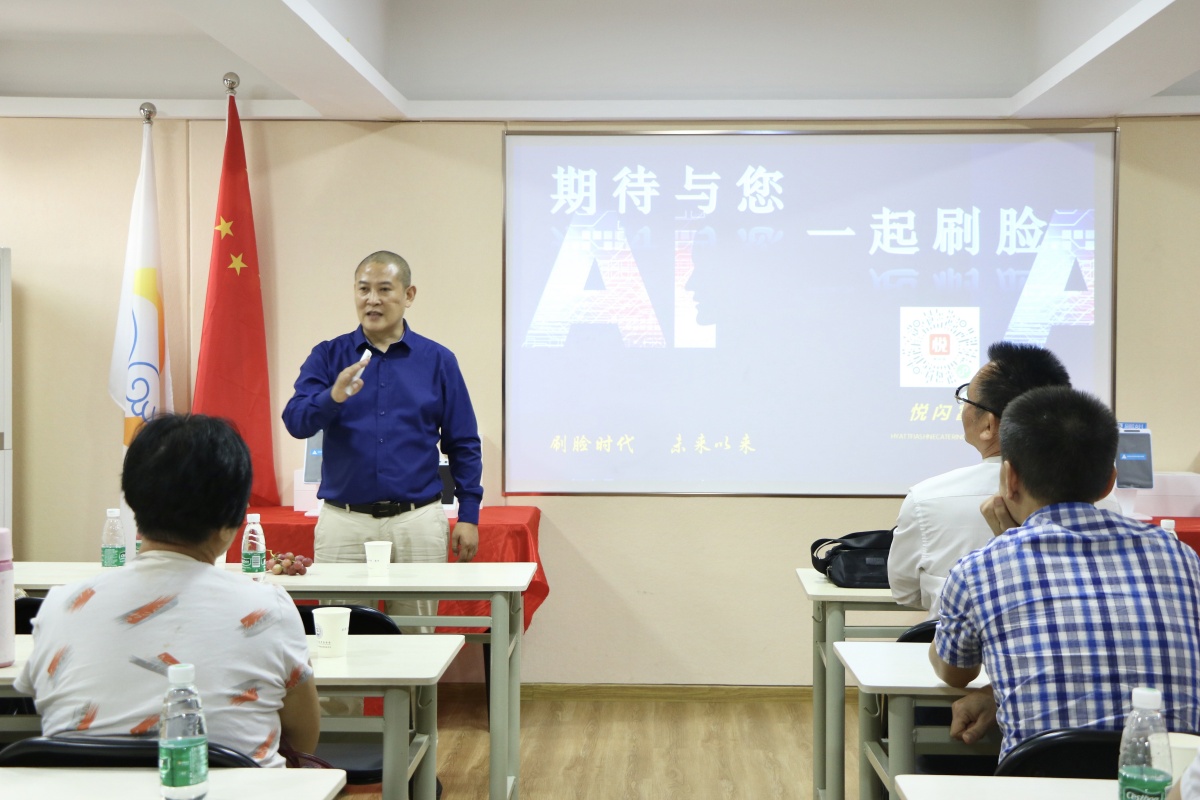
1147,699
252,518
181,674
1167,525
5,544
114,512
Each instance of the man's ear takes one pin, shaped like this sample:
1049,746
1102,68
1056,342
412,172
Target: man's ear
1010,482
1112,482
991,429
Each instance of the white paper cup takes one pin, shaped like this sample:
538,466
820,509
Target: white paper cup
333,628
379,555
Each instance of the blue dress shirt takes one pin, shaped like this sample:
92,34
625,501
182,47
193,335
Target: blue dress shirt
382,443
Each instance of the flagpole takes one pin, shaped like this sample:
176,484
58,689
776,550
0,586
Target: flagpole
231,81
129,528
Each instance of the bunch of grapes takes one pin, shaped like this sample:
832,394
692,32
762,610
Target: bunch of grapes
288,564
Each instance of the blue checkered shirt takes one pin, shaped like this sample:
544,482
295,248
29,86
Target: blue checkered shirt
1070,612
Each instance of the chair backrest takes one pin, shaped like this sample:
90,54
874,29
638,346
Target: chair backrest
26,609
104,751
921,632
364,621
1065,753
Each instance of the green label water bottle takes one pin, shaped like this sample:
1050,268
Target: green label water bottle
182,738
112,540
1144,769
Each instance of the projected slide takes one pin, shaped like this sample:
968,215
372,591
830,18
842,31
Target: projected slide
786,314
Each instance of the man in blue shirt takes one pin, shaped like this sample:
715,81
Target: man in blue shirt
1075,607
383,428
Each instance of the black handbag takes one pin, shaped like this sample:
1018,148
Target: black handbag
856,560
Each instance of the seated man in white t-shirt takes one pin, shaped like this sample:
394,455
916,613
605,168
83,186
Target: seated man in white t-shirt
939,520
102,646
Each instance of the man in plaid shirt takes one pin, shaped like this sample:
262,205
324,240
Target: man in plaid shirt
1075,607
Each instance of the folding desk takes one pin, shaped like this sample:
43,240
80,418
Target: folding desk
990,787
122,784
829,606
389,665
901,672
498,585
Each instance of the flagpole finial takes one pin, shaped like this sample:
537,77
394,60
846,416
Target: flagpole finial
148,112
231,80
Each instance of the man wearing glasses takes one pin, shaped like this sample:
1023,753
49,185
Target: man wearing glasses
939,521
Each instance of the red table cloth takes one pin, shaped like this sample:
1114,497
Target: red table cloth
506,533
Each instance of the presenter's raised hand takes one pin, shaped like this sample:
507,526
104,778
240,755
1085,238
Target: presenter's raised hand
464,541
348,382
997,515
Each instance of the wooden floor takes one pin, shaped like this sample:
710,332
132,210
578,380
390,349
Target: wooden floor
580,743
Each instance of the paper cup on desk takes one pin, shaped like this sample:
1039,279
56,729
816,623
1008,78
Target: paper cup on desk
333,628
379,555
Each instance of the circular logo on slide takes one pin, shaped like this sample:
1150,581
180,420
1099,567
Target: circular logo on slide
938,346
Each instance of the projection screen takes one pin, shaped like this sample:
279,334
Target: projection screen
786,314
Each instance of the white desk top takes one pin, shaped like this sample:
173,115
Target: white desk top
122,784
818,587
375,661
387,660
897,668
434,578
990,787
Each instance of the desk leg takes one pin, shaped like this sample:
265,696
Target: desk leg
498,723
902,757
835,704
870,729
425,778
818,728
517,626
395,744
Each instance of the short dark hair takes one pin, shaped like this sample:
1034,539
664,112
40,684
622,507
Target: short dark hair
388,259
1062,443
186,476
1015,369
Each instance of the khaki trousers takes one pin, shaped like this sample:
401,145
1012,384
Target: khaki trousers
418,536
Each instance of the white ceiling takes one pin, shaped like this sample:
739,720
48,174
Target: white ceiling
604,60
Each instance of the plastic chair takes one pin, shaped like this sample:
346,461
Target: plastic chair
26,609
921,632
364,621
1065,753
104,751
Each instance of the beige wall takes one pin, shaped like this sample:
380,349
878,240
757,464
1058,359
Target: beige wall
643,590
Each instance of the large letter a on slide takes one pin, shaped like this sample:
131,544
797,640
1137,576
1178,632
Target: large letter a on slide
567,301
1045,300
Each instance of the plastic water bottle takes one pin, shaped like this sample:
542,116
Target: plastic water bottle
1144,769
254,549
182,738
1168,525
112,540
8,622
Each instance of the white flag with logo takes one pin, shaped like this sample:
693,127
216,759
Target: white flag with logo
139,378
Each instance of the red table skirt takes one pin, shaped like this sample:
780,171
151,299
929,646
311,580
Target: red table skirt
506,533
1186,528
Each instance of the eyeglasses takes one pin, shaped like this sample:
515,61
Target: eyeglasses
960,394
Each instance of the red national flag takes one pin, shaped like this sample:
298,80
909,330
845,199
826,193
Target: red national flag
231,377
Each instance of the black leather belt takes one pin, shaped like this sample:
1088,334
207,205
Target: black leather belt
384,508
